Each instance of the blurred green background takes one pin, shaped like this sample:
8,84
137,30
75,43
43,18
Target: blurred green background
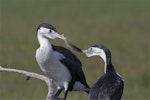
121,25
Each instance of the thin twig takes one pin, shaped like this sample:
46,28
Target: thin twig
35,75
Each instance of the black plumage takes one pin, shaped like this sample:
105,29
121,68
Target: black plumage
58,63
109,86
74,66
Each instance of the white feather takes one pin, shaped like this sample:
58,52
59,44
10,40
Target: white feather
94,51
49,63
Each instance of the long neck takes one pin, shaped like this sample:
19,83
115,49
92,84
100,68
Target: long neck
109,68
108,64
44,42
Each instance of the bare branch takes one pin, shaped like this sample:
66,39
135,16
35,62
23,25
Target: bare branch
48,81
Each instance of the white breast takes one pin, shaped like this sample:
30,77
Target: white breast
49,62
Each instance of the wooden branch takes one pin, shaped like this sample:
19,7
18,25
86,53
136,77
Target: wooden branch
48,81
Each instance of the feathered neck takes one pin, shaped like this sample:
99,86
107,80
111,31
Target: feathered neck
44,42
108,64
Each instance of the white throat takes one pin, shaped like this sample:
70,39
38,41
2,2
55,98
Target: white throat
103,56
42,40
101,53
45,45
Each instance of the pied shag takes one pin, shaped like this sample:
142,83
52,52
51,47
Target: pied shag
110,86
58,63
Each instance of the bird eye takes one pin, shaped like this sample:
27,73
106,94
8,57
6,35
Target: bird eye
52,31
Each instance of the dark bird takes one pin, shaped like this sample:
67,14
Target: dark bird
58,63
109,86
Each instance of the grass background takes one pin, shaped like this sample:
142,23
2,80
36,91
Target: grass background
121,25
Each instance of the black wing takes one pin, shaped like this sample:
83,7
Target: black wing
73,64
118,91
108,87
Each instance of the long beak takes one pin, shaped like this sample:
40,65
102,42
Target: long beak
87,53
69,44
60,36
56,35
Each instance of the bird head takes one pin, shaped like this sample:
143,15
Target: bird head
97,50
48,31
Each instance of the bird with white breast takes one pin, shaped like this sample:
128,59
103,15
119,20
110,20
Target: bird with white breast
58,63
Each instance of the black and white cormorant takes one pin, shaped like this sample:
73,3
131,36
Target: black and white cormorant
110,86
58,63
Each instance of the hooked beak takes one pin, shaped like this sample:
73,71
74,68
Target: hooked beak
88,53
